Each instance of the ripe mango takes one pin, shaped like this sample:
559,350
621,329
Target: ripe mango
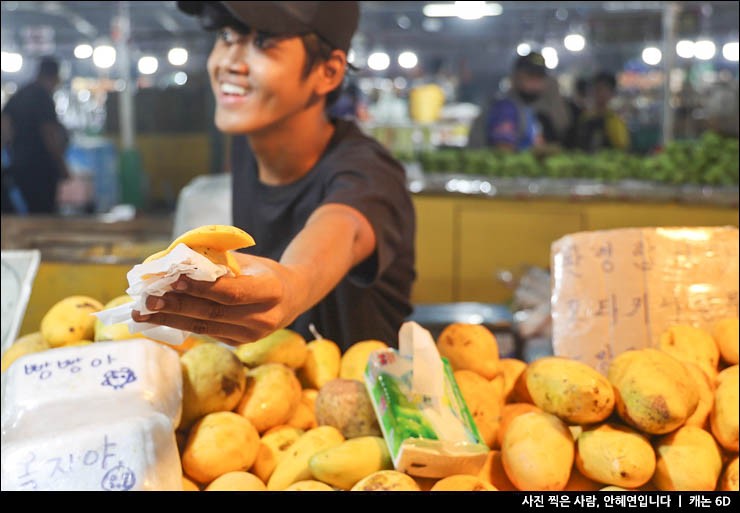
387,481
188,485
354,360
344,465
470,347
511,369
570,390
293,467
580,483
27,344
508,413
724,416
538,452
70,320
303,417
493,473
615,455
729,480
117,331
690,344
654,392
725,334
272,395
220,442
687,460
273,447
706,396
484,403
282,346
213,380
322,364
462,483
309,485
236,482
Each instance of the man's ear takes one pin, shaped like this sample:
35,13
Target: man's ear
331,72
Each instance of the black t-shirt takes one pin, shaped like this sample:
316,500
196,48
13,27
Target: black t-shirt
372,301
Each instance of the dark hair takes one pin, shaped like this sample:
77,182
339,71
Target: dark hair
48,67
215,17
582,86
606,78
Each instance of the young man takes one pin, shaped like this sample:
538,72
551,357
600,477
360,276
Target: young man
327,206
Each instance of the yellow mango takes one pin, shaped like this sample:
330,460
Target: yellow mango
117,331
538,452
27,344
724,416
729,480
271,397
309,485
387,481
220,442
570,390
580,483
654,392
294,466
273,447
216,236
508,413
687,460
236,482
484,403
690,344
470,347
354,360
615,455
344,465
282,346
212,380
188,485
494,474
462,483
321,365
725,334
70,320
706,396
303,417
511,369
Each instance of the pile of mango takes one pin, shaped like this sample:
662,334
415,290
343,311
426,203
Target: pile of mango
286,414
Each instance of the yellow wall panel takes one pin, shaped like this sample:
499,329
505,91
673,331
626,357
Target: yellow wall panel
434,249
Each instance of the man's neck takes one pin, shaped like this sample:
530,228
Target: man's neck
288,152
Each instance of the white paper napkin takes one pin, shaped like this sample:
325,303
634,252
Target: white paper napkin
156,278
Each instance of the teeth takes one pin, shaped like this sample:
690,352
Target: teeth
227,88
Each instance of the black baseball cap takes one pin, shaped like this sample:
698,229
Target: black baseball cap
335,22
533,63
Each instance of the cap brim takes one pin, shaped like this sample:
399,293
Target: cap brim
193,8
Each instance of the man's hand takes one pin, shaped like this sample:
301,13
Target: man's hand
270,295
235,310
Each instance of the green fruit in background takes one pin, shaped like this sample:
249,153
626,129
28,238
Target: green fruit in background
27,344
70,320
282,346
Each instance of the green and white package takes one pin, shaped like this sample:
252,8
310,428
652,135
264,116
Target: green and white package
423,416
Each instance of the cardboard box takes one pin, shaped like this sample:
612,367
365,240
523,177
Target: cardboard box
617,290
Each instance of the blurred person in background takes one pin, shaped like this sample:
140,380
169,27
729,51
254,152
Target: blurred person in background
35,141
600,127
511,123
577,104
553,113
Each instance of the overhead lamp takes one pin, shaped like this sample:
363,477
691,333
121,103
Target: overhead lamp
104,56
462,10
11,62
523,49
148,65
177,56
685,49
408,60
550,55
652,55
704,49
83,51
378,61
180,78
730,51
574,42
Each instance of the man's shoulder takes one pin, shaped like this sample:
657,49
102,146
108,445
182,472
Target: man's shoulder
354,150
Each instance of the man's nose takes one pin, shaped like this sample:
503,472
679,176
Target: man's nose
235,58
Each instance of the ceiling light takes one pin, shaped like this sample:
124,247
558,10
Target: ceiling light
463,10
104,56
11,62
704,50
652,55
148,65
177,56
408,60
523,49
180,78
83,51
730,51
378,61
551,57
574,42
685,49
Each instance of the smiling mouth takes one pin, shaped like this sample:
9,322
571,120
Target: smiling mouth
228,89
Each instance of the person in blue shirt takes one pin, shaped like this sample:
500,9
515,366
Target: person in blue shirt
511,122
